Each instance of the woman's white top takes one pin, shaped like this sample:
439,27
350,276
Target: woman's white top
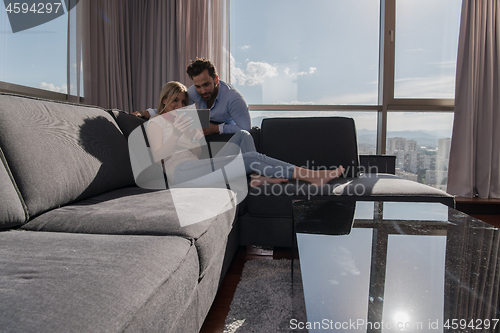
182,150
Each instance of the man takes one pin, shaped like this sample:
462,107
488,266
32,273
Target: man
229,112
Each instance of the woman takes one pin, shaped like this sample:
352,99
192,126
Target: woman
178,147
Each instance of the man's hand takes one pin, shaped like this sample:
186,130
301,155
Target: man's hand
141,114
213,129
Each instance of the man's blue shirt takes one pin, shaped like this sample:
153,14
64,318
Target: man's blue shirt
229,108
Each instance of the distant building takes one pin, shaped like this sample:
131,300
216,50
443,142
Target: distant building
395,144
410,145
413,161
436,178
400,159
443,154
426,162
407,175
444,146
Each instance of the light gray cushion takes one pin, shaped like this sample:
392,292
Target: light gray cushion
12,212
275,200
135,211
58,282
60,152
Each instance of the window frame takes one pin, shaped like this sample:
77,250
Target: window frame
33,92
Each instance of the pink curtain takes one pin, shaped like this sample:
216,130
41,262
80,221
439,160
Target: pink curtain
474,168
204,27
130,49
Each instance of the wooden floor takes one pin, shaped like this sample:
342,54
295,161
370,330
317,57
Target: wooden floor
483,209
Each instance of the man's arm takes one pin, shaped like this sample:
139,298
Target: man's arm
239,112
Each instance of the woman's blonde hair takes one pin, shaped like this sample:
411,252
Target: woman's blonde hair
170,92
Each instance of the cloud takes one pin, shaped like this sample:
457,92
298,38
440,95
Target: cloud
445,64
52,87
256,71
244,47
295,75
343,260
254,74
439,86
295,103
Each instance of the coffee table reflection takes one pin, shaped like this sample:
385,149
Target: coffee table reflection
393,267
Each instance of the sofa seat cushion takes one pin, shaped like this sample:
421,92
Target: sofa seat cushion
275,200
136,211
61,152
59,282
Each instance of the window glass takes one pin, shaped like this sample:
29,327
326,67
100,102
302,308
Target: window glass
300,52
366,124
426,48
36,57
421,143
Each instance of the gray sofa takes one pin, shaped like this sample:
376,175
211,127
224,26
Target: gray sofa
83,248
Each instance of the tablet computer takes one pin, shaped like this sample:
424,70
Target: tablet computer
201,117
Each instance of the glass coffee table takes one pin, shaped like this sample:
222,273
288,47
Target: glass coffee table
393,267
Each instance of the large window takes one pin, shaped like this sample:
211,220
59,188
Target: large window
388,64
421,142
426,48
305,53
36,57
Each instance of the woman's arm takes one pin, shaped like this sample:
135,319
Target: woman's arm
196,134
155,136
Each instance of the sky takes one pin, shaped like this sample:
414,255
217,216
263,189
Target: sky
294,52
35,57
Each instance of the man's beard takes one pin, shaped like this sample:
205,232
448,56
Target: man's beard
210,96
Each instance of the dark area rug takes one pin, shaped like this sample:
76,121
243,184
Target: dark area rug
263,298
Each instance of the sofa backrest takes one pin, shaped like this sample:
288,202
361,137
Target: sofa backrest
60,152
12,211
312,142
126,122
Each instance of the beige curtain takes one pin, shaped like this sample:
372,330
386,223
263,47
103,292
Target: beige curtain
474,168
132,48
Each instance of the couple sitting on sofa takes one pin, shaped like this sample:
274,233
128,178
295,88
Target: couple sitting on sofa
177,147
229,111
